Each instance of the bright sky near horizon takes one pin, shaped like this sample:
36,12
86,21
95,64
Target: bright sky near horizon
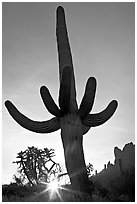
102,39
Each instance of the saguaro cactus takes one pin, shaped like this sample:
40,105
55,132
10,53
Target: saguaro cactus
73,121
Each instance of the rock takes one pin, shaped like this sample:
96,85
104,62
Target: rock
124,161
127,156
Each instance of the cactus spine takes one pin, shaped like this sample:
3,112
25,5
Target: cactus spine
73,121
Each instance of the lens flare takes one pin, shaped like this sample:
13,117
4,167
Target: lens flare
53,185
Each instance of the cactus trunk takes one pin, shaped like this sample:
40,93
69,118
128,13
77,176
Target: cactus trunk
72,139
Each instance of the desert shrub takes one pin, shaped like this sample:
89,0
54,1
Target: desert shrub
15,191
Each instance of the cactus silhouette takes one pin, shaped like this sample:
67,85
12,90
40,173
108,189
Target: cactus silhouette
73,121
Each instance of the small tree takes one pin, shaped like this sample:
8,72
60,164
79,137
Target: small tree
33,164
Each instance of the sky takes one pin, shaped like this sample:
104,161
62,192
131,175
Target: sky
101,36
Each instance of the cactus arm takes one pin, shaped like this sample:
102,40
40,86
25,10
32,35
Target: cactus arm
38,127
65,90
93,120
49,102
85,129
88,98
64,54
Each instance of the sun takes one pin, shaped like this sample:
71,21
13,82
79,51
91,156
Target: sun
54,189
53,185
